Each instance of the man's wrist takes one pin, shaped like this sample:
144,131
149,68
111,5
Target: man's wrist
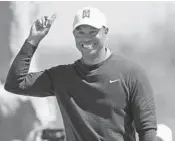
33,41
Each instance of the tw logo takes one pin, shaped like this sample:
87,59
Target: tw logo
86,13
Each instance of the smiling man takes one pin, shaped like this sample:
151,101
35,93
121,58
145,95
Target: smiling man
102,96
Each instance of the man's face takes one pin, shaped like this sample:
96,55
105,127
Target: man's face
89,40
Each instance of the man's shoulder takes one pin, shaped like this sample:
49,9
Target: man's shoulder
122,61
60,69
127,65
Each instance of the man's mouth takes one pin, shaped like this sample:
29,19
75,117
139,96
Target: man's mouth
88,46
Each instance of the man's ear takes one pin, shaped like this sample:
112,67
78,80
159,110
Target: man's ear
106,30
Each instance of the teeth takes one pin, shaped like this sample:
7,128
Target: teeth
88,46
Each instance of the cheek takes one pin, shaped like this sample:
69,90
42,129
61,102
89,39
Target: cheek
99,40
78,41
78,44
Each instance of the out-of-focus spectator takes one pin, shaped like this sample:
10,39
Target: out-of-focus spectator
17,116
164,133
49,133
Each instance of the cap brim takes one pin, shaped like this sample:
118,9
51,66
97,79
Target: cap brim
88,22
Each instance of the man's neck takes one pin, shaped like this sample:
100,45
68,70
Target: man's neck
97,58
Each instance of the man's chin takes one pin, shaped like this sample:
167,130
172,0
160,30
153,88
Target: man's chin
89,52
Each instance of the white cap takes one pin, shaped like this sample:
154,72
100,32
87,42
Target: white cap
164,132
89,16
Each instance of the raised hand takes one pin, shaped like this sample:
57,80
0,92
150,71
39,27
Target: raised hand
40,28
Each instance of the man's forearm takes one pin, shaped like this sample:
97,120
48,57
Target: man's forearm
149,135
33,41
20,67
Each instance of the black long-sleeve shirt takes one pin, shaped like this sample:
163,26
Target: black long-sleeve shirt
103,102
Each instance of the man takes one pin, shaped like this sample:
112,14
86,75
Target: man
100,95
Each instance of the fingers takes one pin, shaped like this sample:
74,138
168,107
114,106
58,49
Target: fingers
43,22
39,23
46,21
51,19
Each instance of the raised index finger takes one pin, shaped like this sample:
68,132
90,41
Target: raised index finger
51,19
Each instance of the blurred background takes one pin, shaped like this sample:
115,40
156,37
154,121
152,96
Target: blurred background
142,31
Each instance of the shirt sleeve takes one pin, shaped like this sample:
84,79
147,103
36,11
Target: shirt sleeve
142,105
19,81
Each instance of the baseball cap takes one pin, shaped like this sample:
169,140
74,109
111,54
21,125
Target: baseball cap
89,16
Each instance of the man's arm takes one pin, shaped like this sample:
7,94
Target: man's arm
143,105
19,81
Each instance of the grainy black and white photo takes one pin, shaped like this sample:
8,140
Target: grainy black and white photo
87,71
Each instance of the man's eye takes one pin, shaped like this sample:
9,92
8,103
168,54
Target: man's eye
80,33
93,32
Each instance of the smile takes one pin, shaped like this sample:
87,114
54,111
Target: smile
88,46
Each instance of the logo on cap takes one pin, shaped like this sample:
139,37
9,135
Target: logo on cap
86,13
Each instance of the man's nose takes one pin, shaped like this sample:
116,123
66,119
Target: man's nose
86,39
